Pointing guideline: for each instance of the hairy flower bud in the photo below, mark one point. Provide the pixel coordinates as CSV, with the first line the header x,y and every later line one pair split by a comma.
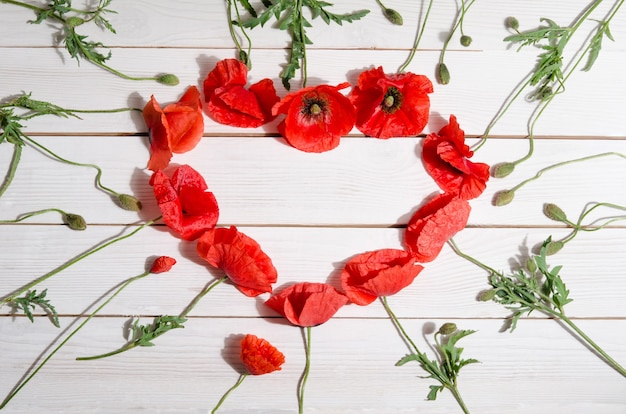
x,y
554,212
74,21
393,16
486,295
168,79
511,23
74,221
466,40
554,247
129,202
443,74
503,169
504,197
447,328
531,266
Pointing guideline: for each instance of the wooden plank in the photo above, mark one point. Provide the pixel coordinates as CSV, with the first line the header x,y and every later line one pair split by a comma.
x,y
262,181
352,369
447,287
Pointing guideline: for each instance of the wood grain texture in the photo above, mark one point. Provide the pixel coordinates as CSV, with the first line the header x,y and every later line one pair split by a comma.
x,y
310,213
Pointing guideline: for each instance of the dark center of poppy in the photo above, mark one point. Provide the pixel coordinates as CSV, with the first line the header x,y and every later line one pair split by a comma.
x,y
313,106
392,100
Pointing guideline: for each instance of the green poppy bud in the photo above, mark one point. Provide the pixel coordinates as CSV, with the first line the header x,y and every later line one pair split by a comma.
x,y
443,74
504,197
554,212
129,202
531,265
74,221
503,169
74,21
511,23
554,247
447,328
466,40
168,79
243,57
393,16
486,295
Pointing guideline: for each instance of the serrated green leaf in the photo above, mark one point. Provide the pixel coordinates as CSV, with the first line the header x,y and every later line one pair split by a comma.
x,y
434,389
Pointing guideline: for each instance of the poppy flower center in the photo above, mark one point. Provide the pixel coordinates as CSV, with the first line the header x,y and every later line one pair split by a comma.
x,y
313,106
392,100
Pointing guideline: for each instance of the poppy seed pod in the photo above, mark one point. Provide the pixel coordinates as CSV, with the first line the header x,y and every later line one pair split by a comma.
x,y
486,295
168,79
443,74
74,221
502,198
466,40
554,247
393,16
447,328
554,212
129,202
511,23
504,169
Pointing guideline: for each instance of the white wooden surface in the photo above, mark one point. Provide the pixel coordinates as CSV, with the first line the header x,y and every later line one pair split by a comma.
x,y
309,212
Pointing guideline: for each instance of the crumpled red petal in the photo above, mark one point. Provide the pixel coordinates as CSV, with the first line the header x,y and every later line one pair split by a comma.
x,y
175,129
187,208
385,272
259,356
434,224
315,132
445,157
307,304
162,264
240,257
229,103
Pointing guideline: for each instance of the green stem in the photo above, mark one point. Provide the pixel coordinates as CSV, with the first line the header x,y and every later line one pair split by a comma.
x,y
417,40
233,35
477,262
305,373
457,396
560,164
303,42
31,7
78,164
15,160
608,359
64,266
458,23
396,322
78,328
227,393
135,343
26,216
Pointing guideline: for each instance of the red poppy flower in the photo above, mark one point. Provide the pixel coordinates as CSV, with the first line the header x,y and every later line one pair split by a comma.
x,y
259,356
240,257
187,208
230,103
307,304
433,225
317,117
384,272
177,128
162,264
394,105
446,156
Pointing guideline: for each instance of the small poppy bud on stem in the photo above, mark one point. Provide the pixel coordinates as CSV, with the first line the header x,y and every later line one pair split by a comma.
x,y
511,23
129,202
443,74
486,295
168,79
554,212
466,40
503,169
74,21
74,221
502,198
393,16
531,265
447,328
554,247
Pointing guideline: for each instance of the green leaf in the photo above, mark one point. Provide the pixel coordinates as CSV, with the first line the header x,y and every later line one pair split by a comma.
x,y
434,389
31,299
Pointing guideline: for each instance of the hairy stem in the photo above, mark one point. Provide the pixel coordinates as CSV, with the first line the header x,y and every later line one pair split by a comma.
x,y
15,160
227,393
305,373
418,38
